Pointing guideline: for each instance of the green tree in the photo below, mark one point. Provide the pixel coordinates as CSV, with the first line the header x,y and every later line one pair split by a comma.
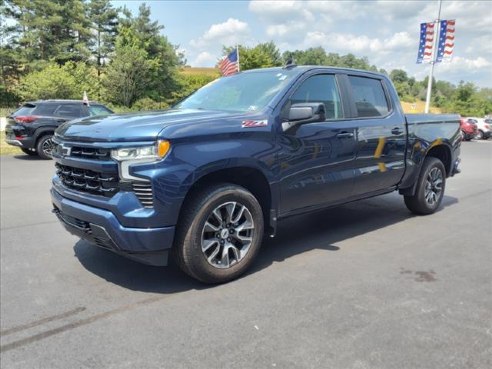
x,y
104,22
141,33
311,56
263,55
399,75
55,30
59,82
128,75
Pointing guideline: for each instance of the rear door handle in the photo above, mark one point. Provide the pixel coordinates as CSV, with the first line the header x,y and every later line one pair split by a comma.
x,y
61,120
345,135
396,131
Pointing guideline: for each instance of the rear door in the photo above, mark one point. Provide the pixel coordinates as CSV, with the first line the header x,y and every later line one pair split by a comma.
x,y
317,159
381,136
69,111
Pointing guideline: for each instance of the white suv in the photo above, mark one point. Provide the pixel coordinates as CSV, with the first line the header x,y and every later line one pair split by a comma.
x,y
484,127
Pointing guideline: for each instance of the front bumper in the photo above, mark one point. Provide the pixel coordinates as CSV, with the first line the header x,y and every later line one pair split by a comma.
x,y
102,228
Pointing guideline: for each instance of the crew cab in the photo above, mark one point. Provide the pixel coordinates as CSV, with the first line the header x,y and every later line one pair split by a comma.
x,y
206,180
31,127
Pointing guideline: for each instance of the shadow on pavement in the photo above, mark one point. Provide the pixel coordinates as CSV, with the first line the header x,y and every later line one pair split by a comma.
x,y
296,235
28,157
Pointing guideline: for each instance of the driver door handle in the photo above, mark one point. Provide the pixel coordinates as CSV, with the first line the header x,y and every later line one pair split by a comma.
x,y
345,135
396,131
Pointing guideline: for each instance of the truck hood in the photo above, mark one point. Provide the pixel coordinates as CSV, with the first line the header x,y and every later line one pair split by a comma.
x,y
142,126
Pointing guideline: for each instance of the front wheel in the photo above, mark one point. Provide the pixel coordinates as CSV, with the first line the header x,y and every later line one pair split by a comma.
x,y
219,234
430,188
44,147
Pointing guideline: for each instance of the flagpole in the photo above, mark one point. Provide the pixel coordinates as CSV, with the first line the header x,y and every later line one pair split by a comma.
x,y
237,51
433,61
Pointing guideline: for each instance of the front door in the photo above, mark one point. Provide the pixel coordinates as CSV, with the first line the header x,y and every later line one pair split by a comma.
x,y
317,159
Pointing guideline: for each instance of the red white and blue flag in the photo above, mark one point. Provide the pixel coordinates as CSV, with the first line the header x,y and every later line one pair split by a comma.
x,y
426,43
446,41
229,64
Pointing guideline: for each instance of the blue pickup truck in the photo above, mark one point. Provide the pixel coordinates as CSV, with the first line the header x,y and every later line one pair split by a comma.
x,y
205,181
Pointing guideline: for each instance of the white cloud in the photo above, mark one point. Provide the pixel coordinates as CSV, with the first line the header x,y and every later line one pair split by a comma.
x,y
350,43
279,11
204,59
229,32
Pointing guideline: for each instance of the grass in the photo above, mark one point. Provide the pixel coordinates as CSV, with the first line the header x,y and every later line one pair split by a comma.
x,y
5,148
214,72
417,107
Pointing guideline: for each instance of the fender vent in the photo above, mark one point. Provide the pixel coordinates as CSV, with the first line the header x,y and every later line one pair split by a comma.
x,y
143,190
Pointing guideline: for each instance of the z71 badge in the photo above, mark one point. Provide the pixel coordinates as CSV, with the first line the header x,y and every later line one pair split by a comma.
x,y
254,123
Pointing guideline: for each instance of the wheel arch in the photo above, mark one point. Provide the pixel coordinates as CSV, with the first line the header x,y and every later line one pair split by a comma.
x,y
441,151
249,177
43,131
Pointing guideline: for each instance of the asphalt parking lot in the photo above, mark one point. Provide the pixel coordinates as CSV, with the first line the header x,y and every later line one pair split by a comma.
x,y
366,285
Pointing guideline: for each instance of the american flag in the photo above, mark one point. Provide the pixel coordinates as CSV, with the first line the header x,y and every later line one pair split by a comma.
x,y
229,64
426,43
446,41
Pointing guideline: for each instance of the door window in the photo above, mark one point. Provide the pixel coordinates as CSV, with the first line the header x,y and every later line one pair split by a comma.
x,y
45,109
369,96
69,110
320,88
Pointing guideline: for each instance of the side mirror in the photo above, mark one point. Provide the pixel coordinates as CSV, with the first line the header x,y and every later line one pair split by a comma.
x,y
303,113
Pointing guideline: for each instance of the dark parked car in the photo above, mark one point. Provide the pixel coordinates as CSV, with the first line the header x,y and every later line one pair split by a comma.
x,y
468,128
31,127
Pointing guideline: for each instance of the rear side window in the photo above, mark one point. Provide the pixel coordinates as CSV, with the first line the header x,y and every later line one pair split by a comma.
x,y
99,110
25,109
320,88
369,96
69,110
45,109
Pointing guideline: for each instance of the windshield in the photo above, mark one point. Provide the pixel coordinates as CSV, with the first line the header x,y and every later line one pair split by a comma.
x,y
243,92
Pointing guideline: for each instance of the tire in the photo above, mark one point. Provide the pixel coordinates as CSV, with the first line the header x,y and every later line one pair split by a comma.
x,y
201,239
430,188
44,147
479,135
30,152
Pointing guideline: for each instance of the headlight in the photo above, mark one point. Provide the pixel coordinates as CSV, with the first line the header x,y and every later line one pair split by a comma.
x,y
143,153
130,156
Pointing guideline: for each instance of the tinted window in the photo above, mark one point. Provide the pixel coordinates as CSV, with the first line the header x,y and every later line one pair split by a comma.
x,y
320,88
69,110
369,97
26,109
99,110
45,109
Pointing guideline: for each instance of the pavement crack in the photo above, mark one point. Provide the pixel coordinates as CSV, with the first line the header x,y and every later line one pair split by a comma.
x,y
82,322
19,328
28,225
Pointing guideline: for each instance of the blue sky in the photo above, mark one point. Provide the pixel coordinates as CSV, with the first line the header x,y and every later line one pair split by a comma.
x,y
386,32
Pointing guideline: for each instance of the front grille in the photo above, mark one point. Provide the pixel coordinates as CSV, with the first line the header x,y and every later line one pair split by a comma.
x,y
143,190
90,153
105,184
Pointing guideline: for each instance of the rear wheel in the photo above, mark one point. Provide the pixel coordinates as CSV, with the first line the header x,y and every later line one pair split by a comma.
x,y
220,233
479,135
430,188
30,152
44,147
